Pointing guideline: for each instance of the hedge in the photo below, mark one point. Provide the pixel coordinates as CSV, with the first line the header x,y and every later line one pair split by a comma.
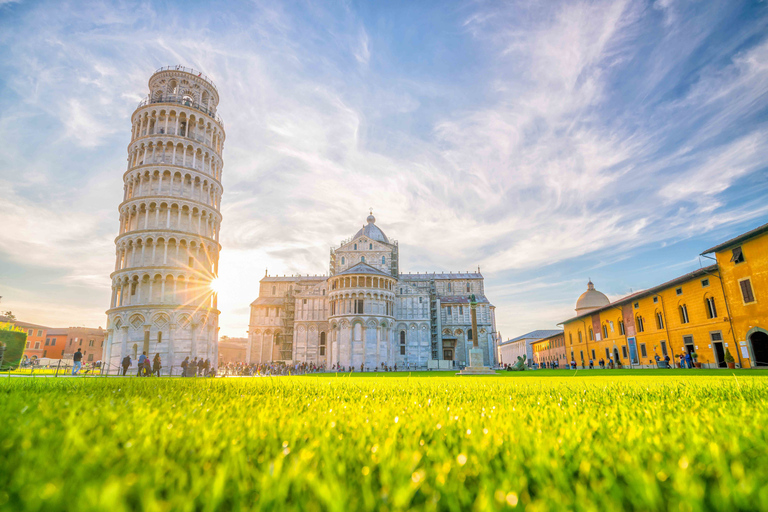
x,y
14,343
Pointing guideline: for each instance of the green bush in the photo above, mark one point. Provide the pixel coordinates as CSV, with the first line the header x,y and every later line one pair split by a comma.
x,y
14,342
728,356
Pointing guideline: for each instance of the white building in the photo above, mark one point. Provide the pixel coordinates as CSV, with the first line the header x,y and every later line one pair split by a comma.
x,y
365,312
510,350
168,244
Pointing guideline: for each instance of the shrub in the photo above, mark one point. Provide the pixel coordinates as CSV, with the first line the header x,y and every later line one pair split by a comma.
x,y
728,356
14,342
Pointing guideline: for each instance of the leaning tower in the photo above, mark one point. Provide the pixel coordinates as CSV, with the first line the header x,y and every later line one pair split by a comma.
x,y
168,244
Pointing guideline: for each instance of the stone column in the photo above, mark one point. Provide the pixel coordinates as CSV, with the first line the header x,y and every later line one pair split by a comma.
x,y
193,327
171,329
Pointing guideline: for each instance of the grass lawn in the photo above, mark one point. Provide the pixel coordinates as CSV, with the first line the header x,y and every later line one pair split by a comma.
x,y
645,440
569,373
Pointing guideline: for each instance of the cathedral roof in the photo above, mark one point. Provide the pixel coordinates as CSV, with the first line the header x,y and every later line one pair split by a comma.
x,y
441,275
364,268
268,301
372,231
463,299
591,299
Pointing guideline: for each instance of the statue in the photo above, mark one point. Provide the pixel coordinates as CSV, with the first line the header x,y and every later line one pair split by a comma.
x,y
519,366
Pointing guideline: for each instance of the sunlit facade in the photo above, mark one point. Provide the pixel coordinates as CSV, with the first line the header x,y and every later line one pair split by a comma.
x,y
168,244
366,313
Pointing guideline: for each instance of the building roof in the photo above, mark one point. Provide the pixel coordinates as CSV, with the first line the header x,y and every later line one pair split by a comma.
x,y
739,239
591,299
292,279
463,299
650,291
372,231
18,323
559,333
441,276
363,268
534,335
268,301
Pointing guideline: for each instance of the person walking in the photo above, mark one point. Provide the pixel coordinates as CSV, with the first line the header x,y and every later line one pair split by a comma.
x,y
156,365
78,362
185,367
207,367
688,360
142,358
200,367
126,363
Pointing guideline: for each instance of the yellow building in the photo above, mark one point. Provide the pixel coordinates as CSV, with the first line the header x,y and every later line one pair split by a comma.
x,y
684,315
714,310
550,350
743,266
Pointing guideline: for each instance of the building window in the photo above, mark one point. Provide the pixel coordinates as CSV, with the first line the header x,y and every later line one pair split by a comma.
x,y
362,258
461,310
449,286
643,352
27,344
639,322
45,353
580,339
659,320
664,348
679,291
704,283
133,288
90,357
322,343
449,310
383,260
688,340
605,331
637,305
355,246
370,246
656,300
159,337
709,304
591,334
359,306
716,336
29,332
90,343
402,343
570,337
420,300
621,328
746,291
469,334
342,260
593,354
37,344
624,351
47,341
737,256
304,301
683,314
468,288
39,332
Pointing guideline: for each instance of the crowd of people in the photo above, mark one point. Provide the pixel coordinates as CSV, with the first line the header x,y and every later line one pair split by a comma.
x,y
198,367
685,361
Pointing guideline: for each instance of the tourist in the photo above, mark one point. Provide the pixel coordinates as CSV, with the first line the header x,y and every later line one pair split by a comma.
x,y
142,358
682,361
126,364
688,360
78,362
156,365
185,367
207,366
193,368
667,360
200,367
573,364
147,367
591,364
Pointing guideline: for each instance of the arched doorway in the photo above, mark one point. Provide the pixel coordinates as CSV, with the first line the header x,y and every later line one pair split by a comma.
x,y
759,342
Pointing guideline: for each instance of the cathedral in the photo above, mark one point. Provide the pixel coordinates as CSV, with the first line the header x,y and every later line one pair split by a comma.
x,y
365,313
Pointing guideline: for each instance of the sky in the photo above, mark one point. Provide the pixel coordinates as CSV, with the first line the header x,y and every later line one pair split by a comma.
x,y
545,142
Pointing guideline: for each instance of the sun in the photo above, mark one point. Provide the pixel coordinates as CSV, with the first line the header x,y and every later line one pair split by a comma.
x,y
216,284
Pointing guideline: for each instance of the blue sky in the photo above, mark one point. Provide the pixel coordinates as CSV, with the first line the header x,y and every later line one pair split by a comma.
x,y
546,142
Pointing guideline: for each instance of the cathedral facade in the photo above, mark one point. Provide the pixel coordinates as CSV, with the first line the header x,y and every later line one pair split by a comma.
x,y
366,313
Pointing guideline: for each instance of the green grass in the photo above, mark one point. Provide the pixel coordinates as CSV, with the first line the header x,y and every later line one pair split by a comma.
x,y
607,442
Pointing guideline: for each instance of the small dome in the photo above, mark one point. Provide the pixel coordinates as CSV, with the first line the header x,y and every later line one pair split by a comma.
x,y
591,300
372,231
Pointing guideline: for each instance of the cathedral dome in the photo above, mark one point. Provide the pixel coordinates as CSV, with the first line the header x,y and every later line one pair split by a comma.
x,y
591,300
372,231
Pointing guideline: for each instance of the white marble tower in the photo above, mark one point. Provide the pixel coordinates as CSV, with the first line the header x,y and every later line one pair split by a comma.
x,y
168,244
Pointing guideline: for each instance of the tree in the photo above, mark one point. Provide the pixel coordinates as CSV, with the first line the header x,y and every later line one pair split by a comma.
x,y
10,315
